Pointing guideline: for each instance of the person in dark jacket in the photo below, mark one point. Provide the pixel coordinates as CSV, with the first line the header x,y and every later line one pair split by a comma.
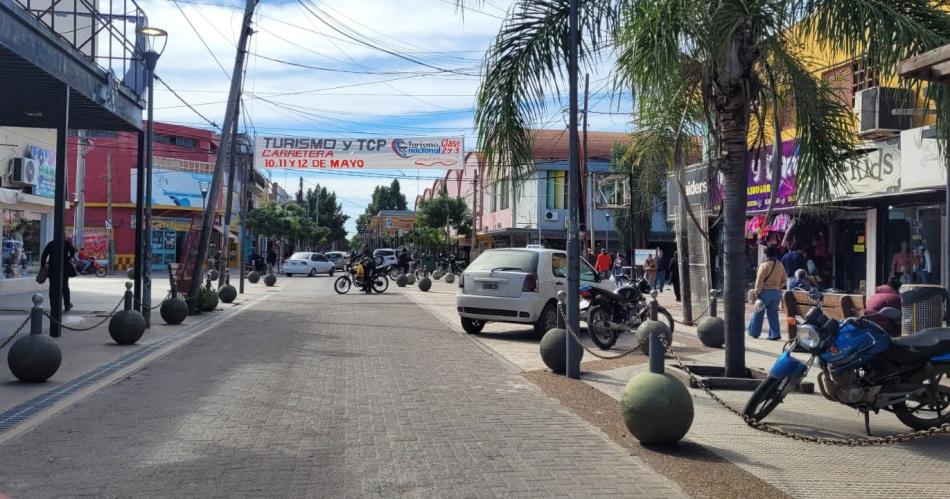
x,y
673,273
883,297
52,266
404,261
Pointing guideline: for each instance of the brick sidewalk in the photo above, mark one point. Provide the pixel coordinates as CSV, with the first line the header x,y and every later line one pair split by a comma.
x,y
309,395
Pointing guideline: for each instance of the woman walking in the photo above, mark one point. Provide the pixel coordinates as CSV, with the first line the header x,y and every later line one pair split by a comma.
x,y
649,270
769,280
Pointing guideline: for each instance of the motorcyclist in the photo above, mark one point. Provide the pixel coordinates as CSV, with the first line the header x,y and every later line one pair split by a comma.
x,y
369,266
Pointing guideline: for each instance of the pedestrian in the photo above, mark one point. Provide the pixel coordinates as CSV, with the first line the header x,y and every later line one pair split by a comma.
x,y
673,271
793,261
800,281
404,261
603,264
369,265
649,270
663,262
884,296
619,263
66,263
769,280
272,260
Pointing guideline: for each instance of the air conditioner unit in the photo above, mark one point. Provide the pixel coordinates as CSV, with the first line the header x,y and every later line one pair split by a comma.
x,y
876,108
21,172
551,216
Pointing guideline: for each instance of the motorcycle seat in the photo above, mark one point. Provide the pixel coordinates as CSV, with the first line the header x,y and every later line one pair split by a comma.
x,y
921,346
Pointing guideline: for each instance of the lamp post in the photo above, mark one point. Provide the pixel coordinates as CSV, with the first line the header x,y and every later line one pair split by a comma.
x,y
607,233
203,187
154,40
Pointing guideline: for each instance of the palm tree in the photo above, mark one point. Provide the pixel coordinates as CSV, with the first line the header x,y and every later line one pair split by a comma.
x,y
723,68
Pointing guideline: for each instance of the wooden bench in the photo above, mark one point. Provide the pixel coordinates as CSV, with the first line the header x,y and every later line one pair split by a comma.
x,y
835,306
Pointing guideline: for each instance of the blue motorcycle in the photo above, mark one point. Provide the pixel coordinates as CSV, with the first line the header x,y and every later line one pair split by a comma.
x,y
864,368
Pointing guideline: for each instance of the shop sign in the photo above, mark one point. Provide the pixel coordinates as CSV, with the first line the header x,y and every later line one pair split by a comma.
x,y
922,164
875,173
45,172
759,186
178,224
331,153
699,189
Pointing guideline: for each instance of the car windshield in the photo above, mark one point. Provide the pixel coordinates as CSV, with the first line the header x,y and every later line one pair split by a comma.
x,y
300,256
525,261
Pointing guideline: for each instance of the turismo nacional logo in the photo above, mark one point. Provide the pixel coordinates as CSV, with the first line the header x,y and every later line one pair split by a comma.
x,y
409,148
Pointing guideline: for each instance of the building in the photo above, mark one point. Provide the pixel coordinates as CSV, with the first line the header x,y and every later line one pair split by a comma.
x,y
63,70
181,176
388,228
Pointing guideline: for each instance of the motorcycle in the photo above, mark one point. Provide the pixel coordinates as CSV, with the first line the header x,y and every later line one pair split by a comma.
x,y
90,267
864,368
612,313
355,275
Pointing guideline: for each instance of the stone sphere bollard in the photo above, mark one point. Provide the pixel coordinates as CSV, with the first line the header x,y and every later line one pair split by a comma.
x,y
253,276
449,278
554,350
437,275
130,273
213,274
173,311
657,408
227,293
425,284
402,280
410,279
126,327
712,332
644,331
270,280
34,358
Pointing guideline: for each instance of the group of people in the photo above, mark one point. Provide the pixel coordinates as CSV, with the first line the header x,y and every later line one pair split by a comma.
x,y
658,269
793,271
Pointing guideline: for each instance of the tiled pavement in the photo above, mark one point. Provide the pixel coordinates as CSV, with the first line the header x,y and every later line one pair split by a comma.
x,y
312,394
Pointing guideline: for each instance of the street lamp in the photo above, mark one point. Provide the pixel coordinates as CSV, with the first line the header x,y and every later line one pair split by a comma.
x,y
153,44
203,187
607,233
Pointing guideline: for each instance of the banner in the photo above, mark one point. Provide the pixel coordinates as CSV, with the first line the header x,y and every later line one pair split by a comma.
x,y
760,178
176,188
45,172
356,154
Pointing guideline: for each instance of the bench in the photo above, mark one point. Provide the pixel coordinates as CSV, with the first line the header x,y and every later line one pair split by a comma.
x,y
835,305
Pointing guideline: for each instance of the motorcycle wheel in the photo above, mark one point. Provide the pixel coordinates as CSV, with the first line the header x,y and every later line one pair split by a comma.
x,y
933,416
600,334
766,397
342,285
100,272
380,283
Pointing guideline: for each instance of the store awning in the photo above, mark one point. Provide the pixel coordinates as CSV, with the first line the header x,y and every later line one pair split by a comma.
x,y
220,230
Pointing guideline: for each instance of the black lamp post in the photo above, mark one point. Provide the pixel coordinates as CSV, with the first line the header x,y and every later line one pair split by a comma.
x,y
155,40
203,187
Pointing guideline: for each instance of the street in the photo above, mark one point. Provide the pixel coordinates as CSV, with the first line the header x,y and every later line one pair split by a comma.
x,y
311,394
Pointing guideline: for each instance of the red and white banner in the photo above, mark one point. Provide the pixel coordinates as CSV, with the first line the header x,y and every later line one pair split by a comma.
x,y
358,153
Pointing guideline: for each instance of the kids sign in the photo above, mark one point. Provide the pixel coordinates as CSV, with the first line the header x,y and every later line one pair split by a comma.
x,y
358,153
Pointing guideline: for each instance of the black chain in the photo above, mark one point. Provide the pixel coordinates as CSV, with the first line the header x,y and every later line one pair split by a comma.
x,y
81,329
839,442
10,338
694,321
139,302
577,338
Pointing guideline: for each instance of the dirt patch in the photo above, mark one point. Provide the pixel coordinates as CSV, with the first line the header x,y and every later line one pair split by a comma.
x,y
699,472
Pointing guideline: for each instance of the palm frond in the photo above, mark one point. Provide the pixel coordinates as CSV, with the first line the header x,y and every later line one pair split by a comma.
x,y
524,64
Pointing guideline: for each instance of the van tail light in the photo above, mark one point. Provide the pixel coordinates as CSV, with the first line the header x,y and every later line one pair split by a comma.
x,y
530,283
462,280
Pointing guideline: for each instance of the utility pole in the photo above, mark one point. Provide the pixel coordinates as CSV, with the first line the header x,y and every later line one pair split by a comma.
x,y
226,229
79,210
245,207
474,216
109,229
585,167
229,121
316,208
573,263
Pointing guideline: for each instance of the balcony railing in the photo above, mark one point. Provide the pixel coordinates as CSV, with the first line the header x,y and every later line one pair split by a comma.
x,y
104,31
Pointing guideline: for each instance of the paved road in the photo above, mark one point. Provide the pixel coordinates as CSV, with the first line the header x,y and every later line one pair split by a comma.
x,y
361,396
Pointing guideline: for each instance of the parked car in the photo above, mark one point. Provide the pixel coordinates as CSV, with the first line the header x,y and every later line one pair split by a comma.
x,y
517,285
308,263
388,257
339,259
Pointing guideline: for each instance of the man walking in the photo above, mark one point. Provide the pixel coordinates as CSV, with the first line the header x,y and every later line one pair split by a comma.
x,y
47,260
603,264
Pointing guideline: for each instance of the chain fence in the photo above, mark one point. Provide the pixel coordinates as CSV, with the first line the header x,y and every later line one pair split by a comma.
x,y
20,328
139,302
88,328
758,425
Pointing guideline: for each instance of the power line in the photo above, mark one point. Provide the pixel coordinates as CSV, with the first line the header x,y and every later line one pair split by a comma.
x,y
201,39
183,101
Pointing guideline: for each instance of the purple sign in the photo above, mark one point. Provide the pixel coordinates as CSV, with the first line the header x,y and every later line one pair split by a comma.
x,y
759,188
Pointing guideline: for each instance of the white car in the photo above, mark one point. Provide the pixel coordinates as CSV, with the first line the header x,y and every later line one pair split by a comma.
x,y
517,285
308,263
339,259
390,257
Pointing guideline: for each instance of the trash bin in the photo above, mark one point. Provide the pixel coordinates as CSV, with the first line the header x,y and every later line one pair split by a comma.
x,y
428,262
922,307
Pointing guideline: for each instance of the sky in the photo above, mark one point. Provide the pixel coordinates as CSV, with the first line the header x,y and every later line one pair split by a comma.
x,y
335,86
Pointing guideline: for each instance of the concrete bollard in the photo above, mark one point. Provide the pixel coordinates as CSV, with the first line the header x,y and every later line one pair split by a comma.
x,y
127,326
402,280
34,358
253,276
270,279
174,309
425,284
227,293
449,278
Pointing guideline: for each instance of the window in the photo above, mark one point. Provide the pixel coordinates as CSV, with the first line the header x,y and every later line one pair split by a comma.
x,y
512,259
587,272
503,195
849,79
556,190
493,198
21,243
559,265
175,140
